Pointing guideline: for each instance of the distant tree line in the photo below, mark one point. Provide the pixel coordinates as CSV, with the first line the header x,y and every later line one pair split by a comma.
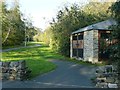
x,y
44,36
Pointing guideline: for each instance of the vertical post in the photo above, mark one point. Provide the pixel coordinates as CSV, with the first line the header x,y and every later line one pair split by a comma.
x,y
0,31
0,43
77,46
25,36
71,47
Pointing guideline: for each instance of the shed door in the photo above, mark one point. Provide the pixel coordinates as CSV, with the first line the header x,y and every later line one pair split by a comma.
x,y
78,45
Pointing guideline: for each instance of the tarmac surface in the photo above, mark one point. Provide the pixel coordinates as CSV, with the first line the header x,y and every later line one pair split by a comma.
x,y
66,75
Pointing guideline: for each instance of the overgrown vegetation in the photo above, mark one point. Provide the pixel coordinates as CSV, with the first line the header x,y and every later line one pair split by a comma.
x,y
115,55
44,36
70,19
15,30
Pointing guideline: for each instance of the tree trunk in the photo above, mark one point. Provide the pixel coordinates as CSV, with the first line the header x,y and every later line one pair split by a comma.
x,y
7,36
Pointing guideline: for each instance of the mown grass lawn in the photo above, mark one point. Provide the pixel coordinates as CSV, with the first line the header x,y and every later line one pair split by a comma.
x,y
37,58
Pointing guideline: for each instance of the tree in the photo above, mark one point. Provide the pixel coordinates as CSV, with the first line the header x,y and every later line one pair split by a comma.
x,y
100,10
39,36
116,35
44,36
13,27
72,18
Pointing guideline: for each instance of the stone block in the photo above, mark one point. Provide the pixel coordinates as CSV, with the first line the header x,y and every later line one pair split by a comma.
x,y
102,85
110,85
14,70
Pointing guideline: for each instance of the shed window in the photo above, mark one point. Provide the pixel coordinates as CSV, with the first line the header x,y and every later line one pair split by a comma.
x,y
80,37
80,53
105,35
74,52
74,37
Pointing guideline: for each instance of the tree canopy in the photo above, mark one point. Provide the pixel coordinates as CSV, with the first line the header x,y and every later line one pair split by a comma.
x,y
116,35
72,18
13,27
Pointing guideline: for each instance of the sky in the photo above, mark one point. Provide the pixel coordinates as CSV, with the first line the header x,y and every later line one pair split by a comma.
x,y
41,12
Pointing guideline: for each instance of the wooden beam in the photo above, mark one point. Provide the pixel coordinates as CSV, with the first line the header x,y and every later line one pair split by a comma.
x,y
71,46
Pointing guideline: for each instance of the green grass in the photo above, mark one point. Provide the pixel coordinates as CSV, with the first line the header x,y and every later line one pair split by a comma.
x,y
85,62
22,45
7,47
37,58
33,43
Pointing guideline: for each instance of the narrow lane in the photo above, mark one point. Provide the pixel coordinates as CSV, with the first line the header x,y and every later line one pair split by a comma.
x,y
67,75
10,49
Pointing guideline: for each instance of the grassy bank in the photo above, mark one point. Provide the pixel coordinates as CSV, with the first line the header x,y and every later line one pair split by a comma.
x,y
37,58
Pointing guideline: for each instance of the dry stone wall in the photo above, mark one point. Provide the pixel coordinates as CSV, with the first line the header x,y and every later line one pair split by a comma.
x,y
14,70
106,77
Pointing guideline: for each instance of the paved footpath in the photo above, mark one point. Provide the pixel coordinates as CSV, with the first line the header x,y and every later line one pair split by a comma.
x,y
67,75
10,49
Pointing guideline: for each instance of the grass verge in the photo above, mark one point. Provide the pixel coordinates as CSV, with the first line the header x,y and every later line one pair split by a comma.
x,y
21,45
37,58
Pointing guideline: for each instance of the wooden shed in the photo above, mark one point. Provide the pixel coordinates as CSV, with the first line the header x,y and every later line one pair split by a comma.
x,y
86,43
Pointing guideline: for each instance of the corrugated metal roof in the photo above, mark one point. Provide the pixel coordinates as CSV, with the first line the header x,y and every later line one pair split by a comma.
x,y
104,25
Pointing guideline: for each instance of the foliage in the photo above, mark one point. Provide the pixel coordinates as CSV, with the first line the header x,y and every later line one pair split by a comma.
x,y
44,36
100,10
13,27
116,35
37,60
47,35
72,18
38,37
30,33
